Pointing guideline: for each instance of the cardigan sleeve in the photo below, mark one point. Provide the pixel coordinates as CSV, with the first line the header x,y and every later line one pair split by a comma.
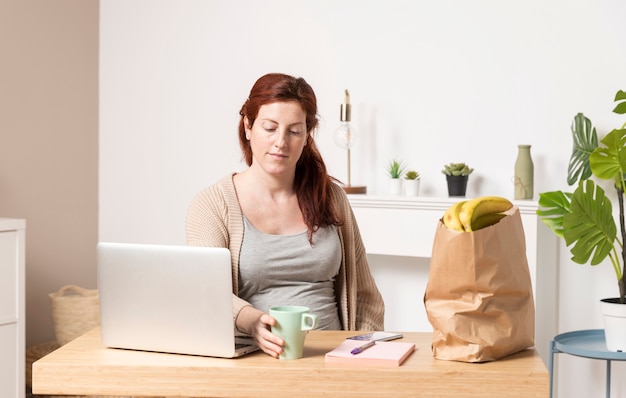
x,y
209,223
205,224
370,312
366,308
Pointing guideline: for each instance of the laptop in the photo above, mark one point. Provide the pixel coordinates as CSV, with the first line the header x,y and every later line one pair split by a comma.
x,y
174,299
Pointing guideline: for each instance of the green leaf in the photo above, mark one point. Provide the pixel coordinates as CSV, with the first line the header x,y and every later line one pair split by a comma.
x,y
395,168
552,207
609,161
621,107
589,226
585,142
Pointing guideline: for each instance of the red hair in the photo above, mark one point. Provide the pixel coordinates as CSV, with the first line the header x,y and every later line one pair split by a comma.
x,y
312,182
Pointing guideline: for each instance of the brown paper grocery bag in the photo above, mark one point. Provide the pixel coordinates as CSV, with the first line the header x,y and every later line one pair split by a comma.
x,y
479,296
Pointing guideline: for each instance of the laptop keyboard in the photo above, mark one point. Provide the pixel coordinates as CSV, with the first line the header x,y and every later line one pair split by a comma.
x,y
241,342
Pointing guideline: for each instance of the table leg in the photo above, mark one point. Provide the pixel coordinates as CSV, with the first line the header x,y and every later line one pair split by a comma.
x,y
608,378
551,365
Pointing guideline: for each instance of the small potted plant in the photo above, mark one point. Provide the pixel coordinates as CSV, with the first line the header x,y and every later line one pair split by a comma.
x,y
411,183
584,218
395,169
456,177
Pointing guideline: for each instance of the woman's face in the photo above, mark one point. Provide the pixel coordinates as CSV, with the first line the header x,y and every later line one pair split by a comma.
x,y
277,137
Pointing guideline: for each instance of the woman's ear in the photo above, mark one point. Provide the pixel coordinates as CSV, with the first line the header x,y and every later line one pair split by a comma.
x,y
247,127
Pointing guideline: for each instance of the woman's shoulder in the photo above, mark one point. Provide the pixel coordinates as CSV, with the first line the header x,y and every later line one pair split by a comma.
x,y
342,203
222,190
338,193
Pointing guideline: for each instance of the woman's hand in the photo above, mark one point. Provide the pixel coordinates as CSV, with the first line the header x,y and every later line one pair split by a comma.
x,y
258,324
264,338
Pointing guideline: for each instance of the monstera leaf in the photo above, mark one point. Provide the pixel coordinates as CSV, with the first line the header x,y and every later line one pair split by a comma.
x,y
609,161
589,225
584,218
585,142
552,207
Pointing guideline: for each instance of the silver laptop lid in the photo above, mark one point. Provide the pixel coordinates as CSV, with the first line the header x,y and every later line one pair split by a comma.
x,y
164,298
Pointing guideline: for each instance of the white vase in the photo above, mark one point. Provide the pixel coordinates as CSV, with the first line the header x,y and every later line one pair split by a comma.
x,y
614,315
411,187
395,186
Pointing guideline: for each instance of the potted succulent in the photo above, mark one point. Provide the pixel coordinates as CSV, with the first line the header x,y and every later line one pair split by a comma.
x,y
411,183
584,218
395,169
456,177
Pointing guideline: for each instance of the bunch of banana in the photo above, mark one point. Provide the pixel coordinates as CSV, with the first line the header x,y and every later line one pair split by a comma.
x,y
474,214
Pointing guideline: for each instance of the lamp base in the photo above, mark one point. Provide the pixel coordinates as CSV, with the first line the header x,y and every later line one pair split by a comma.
x,y
351,189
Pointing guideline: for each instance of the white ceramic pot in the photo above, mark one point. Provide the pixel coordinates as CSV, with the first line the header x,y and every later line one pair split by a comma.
x,y
614,315
395,186
411,187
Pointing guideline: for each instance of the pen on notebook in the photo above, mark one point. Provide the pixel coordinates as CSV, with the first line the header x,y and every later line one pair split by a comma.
x,y
362,348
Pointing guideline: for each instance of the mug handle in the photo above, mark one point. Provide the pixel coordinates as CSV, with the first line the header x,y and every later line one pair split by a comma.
x,y
309,321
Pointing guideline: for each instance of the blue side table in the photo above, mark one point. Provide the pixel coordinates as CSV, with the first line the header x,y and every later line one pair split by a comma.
x,y
587,344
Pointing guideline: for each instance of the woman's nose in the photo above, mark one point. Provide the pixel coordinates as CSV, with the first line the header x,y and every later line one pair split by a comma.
x,y
281,138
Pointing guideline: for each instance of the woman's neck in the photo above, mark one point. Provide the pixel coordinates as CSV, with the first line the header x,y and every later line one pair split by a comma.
x,y
274,187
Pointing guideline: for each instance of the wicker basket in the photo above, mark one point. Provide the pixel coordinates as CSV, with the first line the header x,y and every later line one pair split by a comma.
x,y
75,311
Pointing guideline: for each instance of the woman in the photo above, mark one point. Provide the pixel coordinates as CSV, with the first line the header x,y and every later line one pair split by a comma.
x,y
290,229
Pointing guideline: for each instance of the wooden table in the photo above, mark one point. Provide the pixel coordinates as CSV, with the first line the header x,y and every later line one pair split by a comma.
x,y
85,367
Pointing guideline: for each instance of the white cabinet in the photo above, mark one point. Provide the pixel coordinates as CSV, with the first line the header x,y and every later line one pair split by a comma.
x,y
12,335
400,226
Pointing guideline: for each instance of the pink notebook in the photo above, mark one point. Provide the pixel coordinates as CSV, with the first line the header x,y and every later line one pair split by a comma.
x,y
383,353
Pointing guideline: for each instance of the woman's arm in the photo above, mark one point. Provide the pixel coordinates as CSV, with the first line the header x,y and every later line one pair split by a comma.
x,y
365,306
207,224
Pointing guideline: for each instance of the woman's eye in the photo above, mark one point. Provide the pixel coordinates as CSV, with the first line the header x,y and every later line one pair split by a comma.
x,y
295,133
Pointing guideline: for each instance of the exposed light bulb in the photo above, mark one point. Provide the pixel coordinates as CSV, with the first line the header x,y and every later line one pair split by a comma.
x,y
344,135
344,138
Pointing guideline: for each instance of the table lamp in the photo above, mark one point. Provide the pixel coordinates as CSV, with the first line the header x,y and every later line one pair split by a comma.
x,y
344,138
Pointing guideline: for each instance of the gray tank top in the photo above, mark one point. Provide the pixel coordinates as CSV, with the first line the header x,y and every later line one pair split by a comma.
x,y
287,270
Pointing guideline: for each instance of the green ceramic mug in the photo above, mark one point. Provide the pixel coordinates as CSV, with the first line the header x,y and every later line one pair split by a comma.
x,y
292,324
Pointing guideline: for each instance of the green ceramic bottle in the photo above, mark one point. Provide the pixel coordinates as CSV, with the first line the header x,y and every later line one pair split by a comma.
x,y
524,173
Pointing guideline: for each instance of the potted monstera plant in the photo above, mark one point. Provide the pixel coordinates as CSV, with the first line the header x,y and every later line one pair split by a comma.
x,y
585,217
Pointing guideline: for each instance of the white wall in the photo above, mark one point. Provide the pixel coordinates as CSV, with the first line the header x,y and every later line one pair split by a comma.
x,y
431,83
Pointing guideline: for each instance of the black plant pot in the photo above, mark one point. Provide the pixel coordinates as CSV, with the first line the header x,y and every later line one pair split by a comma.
x,y
457,185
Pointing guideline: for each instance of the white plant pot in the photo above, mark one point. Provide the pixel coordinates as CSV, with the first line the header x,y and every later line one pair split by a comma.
x,y
411,187
614,315
395,186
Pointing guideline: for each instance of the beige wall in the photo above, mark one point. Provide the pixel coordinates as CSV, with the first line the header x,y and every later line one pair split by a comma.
x,y
49,144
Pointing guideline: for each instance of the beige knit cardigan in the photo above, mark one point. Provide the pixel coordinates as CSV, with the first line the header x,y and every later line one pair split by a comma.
x,y
214,218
